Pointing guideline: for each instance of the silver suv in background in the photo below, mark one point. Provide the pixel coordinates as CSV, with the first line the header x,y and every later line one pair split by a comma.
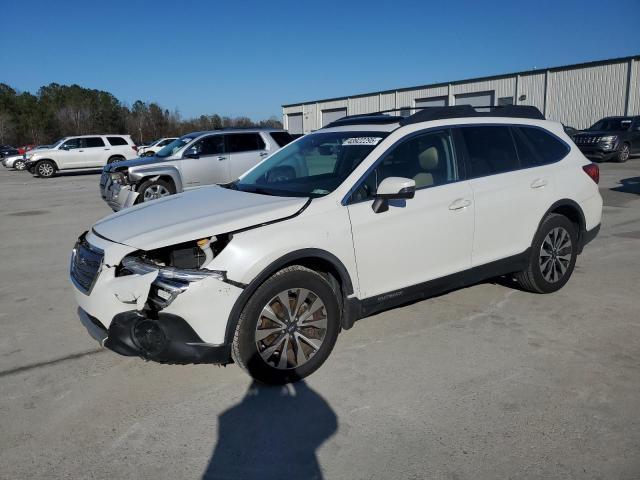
x,y
81,152
193,160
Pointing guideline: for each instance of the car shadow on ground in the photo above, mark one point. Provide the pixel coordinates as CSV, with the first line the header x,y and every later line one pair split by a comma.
x,y
274,432
628,185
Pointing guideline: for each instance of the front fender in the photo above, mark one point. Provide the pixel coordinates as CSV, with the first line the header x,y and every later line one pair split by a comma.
x,y
138,174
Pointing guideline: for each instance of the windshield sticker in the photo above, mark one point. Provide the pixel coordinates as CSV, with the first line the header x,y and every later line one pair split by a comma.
x,y
361,141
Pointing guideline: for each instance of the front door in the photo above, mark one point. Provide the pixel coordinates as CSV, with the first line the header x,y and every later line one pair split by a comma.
x,y
419,239
205,163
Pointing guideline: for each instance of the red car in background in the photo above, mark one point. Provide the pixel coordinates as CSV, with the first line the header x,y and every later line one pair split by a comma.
x,y
25,148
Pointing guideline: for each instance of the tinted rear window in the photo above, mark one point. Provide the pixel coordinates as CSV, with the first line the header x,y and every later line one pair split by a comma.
x,y
281,138
244,142
490,150
92,142
115,141
537,147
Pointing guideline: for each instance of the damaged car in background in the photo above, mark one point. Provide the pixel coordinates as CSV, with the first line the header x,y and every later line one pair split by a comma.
x,y
193,160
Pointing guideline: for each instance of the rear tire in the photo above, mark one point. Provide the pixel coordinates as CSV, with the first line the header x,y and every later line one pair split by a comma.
x,y
278,344
20,165
624,153
45,169
553,256
154,189
115,158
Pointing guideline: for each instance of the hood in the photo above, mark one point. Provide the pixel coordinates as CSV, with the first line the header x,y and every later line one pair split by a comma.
x,y
43,151
140,161
193,215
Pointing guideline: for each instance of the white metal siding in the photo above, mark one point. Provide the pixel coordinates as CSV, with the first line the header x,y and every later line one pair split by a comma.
x,y
407,98
387,101
634,89
532,86
578,97
294,123
329,116
368,104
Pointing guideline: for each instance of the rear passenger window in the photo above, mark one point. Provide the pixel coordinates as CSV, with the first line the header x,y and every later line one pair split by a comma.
x,y
281,138
537,147
490,150
244,142
115,141
92,142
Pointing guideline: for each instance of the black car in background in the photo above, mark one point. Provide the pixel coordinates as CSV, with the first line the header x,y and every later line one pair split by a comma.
x,y
612,138
8,151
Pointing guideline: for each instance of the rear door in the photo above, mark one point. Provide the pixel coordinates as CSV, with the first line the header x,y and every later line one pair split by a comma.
x,y
94,152
205,162
245,150
509,200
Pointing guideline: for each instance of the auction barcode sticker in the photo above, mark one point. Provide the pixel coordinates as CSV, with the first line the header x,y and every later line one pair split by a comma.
x,y
361,141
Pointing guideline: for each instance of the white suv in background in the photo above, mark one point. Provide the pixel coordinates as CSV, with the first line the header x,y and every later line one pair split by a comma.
x,y
365,214
84,151
155,146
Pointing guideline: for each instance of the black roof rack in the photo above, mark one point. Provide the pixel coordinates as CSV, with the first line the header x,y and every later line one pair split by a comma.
x,y
425,114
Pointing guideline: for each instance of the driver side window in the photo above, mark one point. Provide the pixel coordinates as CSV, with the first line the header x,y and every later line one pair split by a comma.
x,y
426,158
71,144
213,145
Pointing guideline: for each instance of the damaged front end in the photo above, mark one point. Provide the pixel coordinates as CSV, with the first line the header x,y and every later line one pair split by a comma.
x,y
162,305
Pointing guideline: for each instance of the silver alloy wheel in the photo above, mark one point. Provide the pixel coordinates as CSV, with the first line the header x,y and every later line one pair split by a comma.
x,y
555,254
155,191
19,165
45,170
624,153
291,328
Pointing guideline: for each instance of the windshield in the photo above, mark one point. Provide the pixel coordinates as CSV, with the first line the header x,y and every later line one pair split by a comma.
x,y
611,124
173,147
313,166
57,144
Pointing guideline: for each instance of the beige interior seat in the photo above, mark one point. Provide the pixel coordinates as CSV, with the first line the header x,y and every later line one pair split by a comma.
x,y
428,161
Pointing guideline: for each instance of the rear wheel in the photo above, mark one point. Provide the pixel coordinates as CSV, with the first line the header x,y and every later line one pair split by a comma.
x,y
624,153
19,165
553,256
154,189
45,169
288,327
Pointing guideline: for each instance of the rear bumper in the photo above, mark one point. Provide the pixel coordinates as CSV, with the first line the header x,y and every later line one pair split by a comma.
x,y
587,236
166,338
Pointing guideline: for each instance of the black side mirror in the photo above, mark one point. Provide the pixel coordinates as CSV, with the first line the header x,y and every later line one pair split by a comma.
x,y
393,188
192,153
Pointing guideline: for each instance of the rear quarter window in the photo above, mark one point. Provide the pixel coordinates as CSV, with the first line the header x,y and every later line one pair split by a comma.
x,y
116,141
281,138
538,147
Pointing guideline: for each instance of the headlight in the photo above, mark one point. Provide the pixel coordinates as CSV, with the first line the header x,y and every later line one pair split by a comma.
x,y
120,177
608,139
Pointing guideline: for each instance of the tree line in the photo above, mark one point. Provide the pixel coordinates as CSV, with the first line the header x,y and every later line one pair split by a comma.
x,y
57,111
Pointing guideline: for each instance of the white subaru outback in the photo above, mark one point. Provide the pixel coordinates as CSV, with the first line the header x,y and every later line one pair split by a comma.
x,y
365,214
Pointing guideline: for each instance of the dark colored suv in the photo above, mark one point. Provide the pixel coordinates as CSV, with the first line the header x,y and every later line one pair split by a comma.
x,y
612,138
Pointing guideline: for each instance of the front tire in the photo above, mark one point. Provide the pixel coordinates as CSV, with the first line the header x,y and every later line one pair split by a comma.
x,y
154,189
288,327
45,169
20,165
624,153
553,256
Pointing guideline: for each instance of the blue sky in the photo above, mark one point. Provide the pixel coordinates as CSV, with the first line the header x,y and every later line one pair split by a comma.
x,y
248,58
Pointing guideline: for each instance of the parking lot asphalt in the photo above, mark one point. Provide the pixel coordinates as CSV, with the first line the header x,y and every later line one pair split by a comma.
x,y
484,382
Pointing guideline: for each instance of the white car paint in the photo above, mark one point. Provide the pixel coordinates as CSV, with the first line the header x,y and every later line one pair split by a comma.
x,y
442,230
154,146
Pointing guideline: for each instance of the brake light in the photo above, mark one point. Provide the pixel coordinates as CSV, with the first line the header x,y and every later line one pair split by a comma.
x,y
593,171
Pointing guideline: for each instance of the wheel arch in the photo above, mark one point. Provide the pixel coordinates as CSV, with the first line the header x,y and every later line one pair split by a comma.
x,y
572,210
48,160
315,259
168,173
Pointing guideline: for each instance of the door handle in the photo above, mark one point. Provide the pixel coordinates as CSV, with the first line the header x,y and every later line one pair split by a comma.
x,y
264,154
222,158
80,151
538,183
459,204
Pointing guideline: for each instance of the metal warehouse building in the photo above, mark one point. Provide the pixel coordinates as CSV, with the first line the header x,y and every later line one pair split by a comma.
x,y
576,95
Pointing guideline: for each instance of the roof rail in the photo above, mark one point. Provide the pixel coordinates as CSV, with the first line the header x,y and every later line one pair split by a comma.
x,y
425,114
440,113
